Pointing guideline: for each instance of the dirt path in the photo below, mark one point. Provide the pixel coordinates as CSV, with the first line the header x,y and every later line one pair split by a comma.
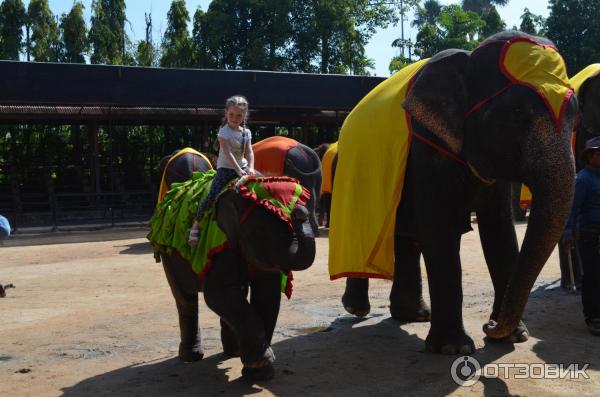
x,y
92,314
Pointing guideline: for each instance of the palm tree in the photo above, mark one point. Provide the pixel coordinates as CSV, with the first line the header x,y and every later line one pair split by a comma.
x,y
428,14
482,7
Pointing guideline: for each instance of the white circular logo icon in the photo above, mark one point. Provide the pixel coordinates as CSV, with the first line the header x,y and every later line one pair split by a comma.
x,y
465,371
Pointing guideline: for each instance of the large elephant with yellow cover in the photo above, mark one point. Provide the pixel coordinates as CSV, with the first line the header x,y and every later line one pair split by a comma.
x,y
439,139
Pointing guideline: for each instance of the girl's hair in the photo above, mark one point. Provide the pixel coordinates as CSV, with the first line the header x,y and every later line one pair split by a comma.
x,y
237,101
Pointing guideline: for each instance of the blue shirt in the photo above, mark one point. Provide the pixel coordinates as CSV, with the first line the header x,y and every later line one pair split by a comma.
x,y
586,203
4,227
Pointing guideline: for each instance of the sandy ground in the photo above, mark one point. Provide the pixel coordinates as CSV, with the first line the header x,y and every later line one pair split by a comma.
x,y
92,315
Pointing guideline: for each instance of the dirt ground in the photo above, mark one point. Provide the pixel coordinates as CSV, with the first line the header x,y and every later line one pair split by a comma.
x,y
92,315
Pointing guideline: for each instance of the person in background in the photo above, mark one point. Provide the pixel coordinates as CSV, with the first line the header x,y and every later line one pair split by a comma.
x,y
4,232
235,156
4,228
585,217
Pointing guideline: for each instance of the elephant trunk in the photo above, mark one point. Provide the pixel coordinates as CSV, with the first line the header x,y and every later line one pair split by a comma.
x,y
552,192
301,252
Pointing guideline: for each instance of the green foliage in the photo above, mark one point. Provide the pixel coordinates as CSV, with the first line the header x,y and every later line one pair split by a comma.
x,y
455,28
532,23
144,55
330,36
44,44
493,23
482,7
428,14
74,35
574,26
398,63
12,20
107,36
177,44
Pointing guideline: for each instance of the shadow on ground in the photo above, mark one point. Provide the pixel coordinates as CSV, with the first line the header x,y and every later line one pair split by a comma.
x,y
136,248
107,234
357,360
555,316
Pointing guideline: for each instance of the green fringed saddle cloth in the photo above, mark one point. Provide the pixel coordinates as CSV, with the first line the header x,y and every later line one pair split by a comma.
x,y
175,214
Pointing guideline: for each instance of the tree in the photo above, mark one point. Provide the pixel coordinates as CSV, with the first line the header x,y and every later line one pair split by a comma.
x,y
74,35
532,23
455,28
176,43
482,7
245,34
574,26
330,36
428,14
493,23
44,43
145,54
107,36
12,20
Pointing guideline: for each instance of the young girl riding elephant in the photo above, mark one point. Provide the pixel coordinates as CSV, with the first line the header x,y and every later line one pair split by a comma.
x,y
235,156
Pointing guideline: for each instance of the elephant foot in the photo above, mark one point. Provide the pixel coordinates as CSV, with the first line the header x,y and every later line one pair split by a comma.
x,y
519,335
419,313
261,370
356,296
190,354
459,343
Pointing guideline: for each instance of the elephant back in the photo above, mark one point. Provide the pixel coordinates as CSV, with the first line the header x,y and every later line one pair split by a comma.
x,y
270,154
180,168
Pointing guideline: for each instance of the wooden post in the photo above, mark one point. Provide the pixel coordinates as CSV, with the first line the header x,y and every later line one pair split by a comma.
x,y
94,154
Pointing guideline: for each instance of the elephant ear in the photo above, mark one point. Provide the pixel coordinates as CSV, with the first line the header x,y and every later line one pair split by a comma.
x,y
438,98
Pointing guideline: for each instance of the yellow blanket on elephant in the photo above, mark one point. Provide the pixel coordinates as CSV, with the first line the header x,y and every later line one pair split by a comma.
x,y
326,167
587,72
373,150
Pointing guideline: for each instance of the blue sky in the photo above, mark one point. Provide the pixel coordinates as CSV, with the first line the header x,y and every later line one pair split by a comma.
x,y
379,47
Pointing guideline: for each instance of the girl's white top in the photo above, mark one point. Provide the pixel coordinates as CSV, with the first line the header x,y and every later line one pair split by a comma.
x,y
236,141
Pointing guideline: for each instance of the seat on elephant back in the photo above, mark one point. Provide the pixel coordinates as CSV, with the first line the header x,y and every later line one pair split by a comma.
x,y
175,214
270,154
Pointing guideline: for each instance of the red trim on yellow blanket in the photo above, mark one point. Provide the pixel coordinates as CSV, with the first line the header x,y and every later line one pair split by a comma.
x,y
557,120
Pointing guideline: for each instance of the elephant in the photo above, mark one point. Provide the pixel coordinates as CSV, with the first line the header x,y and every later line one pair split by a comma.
x,y
249,262
182,164
321,150
279,155
328,165
477,121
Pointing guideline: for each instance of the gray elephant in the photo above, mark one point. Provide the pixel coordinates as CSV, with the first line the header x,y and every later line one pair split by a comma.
x,y
239,260
279,155
476,121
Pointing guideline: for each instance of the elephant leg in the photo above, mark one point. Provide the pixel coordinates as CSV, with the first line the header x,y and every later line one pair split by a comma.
x,y
184,286
224,295
501,250
356,296
265,298
442,261
229,339
406,297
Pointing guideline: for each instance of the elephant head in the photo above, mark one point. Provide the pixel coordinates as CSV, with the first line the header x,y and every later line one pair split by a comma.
x,y
587,82
506,124
268,239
